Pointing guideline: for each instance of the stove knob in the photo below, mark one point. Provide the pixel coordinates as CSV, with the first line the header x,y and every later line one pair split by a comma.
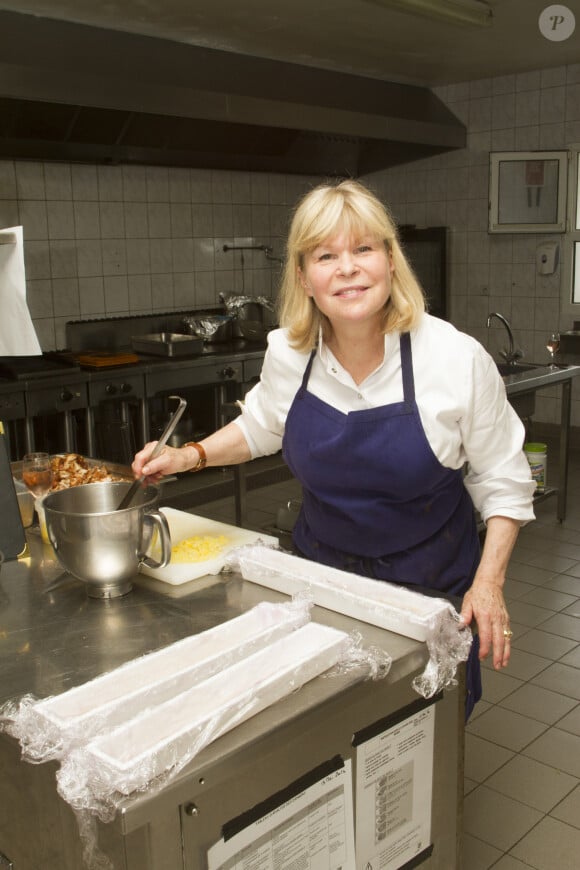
x,y
126,388
67,396
110,389
229,372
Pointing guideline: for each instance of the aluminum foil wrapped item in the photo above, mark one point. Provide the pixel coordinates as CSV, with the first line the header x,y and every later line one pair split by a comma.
x,y
210,326
386,605
234,302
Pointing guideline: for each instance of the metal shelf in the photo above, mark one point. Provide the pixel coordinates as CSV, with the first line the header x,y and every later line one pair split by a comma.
x,y
548,493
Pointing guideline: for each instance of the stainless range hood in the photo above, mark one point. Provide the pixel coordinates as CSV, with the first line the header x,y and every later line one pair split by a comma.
x,y
77,93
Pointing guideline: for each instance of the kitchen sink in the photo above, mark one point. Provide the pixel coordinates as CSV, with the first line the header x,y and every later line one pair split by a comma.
x,y
505,368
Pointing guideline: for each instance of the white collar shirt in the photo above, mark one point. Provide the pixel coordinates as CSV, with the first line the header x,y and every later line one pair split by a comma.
x,y
460,396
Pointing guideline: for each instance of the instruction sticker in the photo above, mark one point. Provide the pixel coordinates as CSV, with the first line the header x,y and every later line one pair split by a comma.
x,y
312,830
394,785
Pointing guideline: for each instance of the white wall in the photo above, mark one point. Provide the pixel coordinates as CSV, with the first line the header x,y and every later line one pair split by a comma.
x,y
536,110
108,241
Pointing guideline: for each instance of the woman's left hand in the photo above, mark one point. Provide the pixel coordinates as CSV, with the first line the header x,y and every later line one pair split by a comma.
x,y
485,603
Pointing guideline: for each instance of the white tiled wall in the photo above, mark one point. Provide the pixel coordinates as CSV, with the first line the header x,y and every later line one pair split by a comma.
x,y
536,110
106,241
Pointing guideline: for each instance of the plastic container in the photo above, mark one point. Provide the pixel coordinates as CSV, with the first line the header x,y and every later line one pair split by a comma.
x,y
25,502
537,455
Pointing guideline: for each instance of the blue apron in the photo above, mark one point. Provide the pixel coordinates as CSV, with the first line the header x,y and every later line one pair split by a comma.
x,y
376,500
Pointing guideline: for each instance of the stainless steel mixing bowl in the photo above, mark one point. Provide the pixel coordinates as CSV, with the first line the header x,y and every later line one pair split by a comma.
x,y
103,546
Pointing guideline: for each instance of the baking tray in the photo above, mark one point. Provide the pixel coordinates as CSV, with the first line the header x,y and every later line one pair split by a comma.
x,y
170,344
100,359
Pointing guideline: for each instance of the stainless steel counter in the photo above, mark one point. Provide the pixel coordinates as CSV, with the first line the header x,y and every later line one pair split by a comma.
x,y
537,377
53,637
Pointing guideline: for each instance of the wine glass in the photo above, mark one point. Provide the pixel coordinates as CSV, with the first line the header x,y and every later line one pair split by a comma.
x,y
37,473
553,346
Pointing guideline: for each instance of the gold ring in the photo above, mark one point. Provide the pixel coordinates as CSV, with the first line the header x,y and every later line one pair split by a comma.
x,y
507,632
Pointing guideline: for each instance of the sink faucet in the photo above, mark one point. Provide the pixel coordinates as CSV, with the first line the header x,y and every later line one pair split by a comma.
x,y
512,354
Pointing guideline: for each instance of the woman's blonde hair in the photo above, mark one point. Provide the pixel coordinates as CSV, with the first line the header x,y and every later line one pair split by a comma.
x,y
348,207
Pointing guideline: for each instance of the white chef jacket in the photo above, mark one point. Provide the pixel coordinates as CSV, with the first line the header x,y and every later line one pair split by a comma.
x,y
460,395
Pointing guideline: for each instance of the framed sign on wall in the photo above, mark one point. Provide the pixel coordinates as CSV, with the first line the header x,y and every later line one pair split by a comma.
x,y
527,191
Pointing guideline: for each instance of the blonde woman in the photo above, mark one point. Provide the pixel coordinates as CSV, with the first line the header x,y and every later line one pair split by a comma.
x,y
378,408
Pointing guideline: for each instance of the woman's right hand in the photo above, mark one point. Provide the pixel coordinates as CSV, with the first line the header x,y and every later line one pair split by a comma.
x,y
171,460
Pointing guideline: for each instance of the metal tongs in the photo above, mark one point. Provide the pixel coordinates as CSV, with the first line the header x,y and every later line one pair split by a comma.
x,y
168,431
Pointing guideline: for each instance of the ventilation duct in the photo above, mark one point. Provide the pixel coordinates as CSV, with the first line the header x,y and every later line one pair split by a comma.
x,y
77,93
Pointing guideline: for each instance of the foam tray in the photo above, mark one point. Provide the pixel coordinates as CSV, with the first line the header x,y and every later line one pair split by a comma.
x,y
130,756
123,693
385,605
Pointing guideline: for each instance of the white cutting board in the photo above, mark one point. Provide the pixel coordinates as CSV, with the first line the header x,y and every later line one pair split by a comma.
x,y
184,525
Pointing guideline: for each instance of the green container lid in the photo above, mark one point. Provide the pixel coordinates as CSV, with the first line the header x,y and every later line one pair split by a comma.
x,y
535,447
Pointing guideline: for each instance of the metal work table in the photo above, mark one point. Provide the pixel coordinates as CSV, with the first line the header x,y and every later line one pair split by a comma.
x,y
54,637
529,382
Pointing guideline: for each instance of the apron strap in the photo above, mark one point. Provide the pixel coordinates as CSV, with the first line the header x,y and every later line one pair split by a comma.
x,y
407,367
306,374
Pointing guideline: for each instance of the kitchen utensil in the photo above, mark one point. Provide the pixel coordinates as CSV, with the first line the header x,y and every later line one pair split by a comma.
x,y
286,516
129,495
100,544
169,344
25,506
253,330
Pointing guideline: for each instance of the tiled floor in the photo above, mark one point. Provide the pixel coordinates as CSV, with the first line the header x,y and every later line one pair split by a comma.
x,y
522,764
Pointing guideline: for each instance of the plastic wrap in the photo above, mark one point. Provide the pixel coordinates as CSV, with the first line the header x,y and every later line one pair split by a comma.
x,y
51,727
134,729
386,605
132,757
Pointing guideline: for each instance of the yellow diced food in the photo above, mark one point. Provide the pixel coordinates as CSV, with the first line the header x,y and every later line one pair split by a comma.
x,y
198,548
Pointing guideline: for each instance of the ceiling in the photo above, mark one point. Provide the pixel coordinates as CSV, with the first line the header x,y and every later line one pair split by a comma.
x,y
340,87
354,36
